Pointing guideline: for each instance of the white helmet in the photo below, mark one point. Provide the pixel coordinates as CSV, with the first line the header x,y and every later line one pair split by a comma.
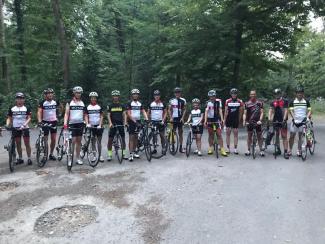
x,y
77,89
196,100
212,93
93,94
116,93
135,91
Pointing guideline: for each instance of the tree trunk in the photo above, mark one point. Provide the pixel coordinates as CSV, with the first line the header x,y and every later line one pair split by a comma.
x,y
3,57
61,32
20,40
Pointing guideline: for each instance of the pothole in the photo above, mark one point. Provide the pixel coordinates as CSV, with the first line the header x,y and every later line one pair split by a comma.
x,y
65,221
8,186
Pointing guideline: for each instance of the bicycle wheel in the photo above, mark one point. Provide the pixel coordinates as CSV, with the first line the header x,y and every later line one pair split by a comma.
x,y
70,153
157,147
276,145
93,153
41,152
173,142
84,145
147,148
312,144
216,145
59,147
118,147
253,146
304,147
188,144
12,155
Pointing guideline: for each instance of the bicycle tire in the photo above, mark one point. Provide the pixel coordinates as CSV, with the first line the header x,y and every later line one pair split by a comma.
x,y
253,146
304,147
118,147
173,142
96,154
41,159
59,147
153,142
147,148
188,144
215,144
70,153
12,155
312,148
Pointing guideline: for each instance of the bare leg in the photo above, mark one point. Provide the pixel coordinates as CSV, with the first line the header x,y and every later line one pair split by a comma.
x,y
53,141
260,140
228,133
249,140
198,141
220,140
235,138
292,140
28,148
19,150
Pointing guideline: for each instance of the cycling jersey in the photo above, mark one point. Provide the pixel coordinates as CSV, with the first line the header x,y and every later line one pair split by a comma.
x,y
233,106
135,107
213,109
300,109
94,113
50,109
196,116
156,111
254,110
177,106
19,115
77,110
115,111
279,105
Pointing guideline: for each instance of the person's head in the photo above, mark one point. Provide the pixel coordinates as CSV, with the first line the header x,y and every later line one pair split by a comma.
x,y
135,93
48,94
93,97
277,93
252,95
212,95
156,95
234,93
300,91
178,92
77,92
20,98
116,96
196,103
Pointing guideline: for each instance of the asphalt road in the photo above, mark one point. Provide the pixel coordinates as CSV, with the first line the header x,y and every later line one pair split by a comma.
x,y
234,200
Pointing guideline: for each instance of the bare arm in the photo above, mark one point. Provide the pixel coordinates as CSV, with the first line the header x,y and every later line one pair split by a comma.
x,y
144,114
29,118
262,114
110,124
189,118
244,117
125,118
8,121
101,120
271,114
165,115
226,112
66,115
39,115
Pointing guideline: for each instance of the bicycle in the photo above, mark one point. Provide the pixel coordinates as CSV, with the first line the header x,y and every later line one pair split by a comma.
x,y
276,139
93,153
154,137
42,146
215,126
254,138
118,143
143,140
307,140
11,148
190,138
172,139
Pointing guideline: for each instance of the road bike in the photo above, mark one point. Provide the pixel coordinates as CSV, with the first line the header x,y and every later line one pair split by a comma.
x,y
143,140
276,138
157,143
253,124
90,147
190,138
42,145
118,143
307,140
11,148
172,139
215,126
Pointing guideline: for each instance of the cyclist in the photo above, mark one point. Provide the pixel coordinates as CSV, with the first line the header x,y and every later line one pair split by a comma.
x,y
116,117
177,111
19,117
300,111
75,112
253,116
47,114
94,120
196,118
278,113
233,112
214,115
157,113
134,110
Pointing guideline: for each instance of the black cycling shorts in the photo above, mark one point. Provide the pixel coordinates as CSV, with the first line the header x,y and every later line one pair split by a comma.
x,y
212,121
197,129
47,130
77,129
250,128
112,131
18,133
134,128
160,126
232,123
177,124
97,132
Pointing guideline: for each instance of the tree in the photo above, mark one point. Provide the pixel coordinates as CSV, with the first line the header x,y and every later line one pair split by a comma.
x,y
3,55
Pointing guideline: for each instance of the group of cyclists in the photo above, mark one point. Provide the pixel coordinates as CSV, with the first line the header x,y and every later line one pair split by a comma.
x,y
213,114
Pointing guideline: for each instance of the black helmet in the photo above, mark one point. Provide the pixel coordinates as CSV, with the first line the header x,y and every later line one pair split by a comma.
x,y
277,91
156,93
300,89
177,89
233,91
20,95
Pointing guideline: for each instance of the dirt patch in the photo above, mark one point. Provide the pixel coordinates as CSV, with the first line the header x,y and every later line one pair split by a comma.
x,y
8,186
152,220
83,171
42,172
65,220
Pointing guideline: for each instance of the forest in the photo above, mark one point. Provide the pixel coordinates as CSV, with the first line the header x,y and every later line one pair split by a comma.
x,y
198,45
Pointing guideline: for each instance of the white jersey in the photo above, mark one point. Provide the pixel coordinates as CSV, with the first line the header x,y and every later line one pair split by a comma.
x,y
196,116
177,106
77,109
135,107
156,111
94,113
19,115
300,109
49,110
213,108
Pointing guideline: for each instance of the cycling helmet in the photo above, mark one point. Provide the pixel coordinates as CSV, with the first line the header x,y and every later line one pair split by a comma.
x,y
135,91
196,100
277,91
177,89
233,91
48,90
300,89
156,93
116,93
77,89
93,94
20,95
212,93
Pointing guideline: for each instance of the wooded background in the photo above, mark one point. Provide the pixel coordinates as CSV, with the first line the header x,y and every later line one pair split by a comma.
x,y
103,45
